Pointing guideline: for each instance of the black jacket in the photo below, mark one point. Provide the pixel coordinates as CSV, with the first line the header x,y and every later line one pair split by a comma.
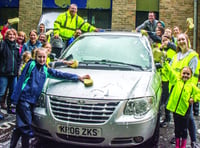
x,y
9,58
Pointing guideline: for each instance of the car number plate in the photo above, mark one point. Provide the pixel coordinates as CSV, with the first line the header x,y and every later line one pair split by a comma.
x,y
79,131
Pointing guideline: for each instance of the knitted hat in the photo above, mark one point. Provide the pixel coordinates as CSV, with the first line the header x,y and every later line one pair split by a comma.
x,y
162,23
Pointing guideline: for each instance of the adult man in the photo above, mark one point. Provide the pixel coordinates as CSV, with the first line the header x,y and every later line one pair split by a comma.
x,y
68,22
150,24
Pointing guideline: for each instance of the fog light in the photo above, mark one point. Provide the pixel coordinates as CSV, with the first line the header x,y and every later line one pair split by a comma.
x,y
138,139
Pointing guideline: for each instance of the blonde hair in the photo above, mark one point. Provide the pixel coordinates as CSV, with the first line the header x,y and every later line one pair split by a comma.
x,y
11,30
187,40
26,56
40,49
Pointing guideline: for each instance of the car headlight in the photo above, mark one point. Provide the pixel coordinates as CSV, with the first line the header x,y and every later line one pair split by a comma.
x,y
139,107
41,101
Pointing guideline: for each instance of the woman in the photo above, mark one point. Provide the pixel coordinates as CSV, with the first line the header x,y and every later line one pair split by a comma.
x,y
186,57
32,43
9,66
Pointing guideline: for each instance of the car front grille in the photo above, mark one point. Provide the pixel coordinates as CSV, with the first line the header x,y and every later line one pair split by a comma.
x,y
82,110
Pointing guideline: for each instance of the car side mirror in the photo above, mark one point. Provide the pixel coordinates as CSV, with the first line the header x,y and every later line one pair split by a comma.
x,y
52,57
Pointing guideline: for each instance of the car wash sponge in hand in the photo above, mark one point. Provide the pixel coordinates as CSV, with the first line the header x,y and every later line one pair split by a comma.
x,y
88,82
75,64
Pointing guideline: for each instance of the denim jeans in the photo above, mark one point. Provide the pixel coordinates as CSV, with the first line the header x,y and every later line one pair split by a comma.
x,y
164,99
192,126
10,82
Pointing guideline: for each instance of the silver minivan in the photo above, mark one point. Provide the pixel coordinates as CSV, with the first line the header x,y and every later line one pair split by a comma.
x,y
120,109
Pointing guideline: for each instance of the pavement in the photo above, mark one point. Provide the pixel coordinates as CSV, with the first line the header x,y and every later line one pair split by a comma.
x,y
7,125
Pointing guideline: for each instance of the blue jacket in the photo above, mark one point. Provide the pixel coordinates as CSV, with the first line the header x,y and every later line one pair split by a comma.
x,y
29,47
32,79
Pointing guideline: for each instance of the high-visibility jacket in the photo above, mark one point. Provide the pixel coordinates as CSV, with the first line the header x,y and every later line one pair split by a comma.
x,y
170,54
65,25
181,93
177,65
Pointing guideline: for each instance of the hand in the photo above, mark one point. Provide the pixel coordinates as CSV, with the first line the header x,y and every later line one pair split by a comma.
x,y
84,77
97,30
56,36
164,44
191,101
68,63
144,32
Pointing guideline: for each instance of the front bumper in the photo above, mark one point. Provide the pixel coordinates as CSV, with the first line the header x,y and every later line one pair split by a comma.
x,y
115,132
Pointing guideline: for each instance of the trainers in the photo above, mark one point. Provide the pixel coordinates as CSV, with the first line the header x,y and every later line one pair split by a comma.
x,y
173,140
164,124
11,109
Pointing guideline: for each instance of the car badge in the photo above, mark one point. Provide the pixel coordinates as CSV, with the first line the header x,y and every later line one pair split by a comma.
x,y
81,102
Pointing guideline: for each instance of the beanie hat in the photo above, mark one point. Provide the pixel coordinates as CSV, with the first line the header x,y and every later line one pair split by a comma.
x,y
162,23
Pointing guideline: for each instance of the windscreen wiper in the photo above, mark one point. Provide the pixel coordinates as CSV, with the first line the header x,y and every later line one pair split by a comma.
x,y
110,62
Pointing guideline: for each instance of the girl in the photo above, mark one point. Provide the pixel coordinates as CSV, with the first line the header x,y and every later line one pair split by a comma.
x,y
21,39
25,58
183,94
27,91
48,46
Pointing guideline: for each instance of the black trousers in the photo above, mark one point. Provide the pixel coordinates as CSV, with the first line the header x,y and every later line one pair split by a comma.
x,y
181,125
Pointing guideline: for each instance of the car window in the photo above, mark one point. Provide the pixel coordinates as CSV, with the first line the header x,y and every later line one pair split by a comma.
x,y
125,49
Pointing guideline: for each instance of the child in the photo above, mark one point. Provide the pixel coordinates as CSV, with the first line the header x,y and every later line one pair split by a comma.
x,y
48,46
27,91
183,94
25,58
21,39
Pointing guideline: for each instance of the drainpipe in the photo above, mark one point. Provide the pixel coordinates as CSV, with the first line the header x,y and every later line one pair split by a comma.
x,y
195,26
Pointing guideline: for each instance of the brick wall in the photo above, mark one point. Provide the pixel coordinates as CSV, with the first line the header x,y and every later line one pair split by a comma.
x,y
172,12
29,14
123,14
175,13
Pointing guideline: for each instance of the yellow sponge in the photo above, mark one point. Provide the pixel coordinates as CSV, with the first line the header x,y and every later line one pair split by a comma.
x,y
144,32
75,64
190,23
13,21
88,82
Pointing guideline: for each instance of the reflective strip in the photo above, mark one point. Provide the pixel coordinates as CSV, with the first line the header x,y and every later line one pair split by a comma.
x,y
65,20
196,75
81,25
64,38
89,29
57,22
76,21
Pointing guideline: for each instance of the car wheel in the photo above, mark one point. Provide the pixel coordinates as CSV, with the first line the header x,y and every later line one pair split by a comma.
x,y
153,142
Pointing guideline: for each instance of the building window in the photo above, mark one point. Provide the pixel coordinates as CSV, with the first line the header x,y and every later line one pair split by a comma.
x,y
142,9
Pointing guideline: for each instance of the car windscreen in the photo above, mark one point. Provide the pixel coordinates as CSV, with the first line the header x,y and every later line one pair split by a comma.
x,y
127,50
